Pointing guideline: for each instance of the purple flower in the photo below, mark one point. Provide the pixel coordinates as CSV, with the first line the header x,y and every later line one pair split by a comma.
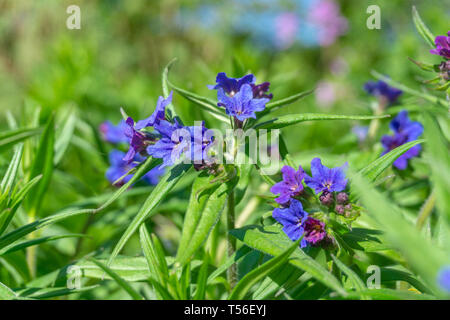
x,y
405,131
444,278
382,90
118,168
242,105
292,219
326,179
259,90
172,143
113,134
290,186
231,85
442,46
157,115
314,231
138,140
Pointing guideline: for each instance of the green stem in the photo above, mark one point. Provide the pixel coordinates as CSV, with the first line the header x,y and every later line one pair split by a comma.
x,y
231,241
426,210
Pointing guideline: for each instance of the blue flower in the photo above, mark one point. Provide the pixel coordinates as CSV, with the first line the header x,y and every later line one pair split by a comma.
x,y
383,91
231,85
241,105
118,168
292,219
157,115
326,179
174,141
290,186
405,131
113,134
444,278
138,140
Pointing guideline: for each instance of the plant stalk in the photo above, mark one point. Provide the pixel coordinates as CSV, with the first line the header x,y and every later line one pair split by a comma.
x,y
231,241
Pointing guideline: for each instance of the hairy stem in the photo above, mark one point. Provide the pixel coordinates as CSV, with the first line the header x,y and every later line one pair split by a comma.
x,y
426,210
231,241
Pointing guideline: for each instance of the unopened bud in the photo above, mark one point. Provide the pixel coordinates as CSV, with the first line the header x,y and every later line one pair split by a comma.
x,y
326,198
339,209
342,198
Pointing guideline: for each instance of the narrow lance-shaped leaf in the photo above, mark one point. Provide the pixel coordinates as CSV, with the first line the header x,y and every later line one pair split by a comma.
x,y
122,283
284,102
11,172
422,28
273,241
398,85
374,169
199,195
166,183
291,119
422,256
210,214
11,137
358,284
42,164
245,284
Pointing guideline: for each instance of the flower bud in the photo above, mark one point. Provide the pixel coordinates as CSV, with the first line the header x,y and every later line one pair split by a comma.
x,y
339,209
326,198
342,198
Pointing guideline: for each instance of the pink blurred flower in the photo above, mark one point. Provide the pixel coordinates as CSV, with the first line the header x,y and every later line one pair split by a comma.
x,y
326,15
286,25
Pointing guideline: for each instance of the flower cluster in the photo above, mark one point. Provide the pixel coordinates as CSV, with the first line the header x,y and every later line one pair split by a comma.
x,y
381,90
324,181
241,97
405,131
169,141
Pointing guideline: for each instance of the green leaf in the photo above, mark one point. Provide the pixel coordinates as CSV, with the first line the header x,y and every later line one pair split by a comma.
x,y
286,101
422,28
291,119
64,135
42,164
202,279
374,169
128,268
246,283
272,240
422,255
28,243
166,183
200,193
437,156
390,294
234,258
6,293
358,284
11,137
165,87
14,235
152,257
47,293
142,169
16,201
122,283
210,214
11,173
